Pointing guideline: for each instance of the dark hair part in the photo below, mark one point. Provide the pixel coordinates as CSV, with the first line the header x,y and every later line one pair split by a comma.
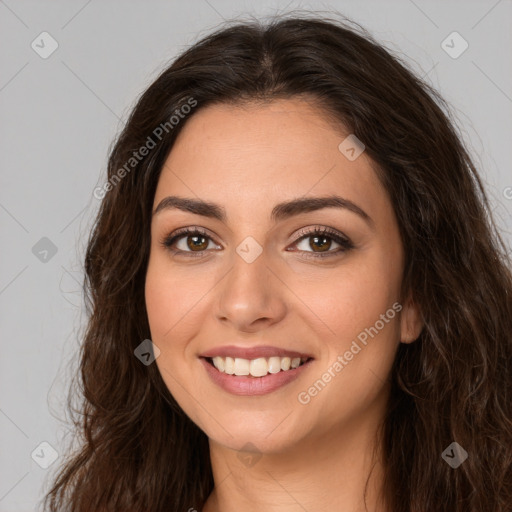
x,y
139,451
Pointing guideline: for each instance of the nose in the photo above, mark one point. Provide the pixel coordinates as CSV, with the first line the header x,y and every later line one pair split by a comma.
x,y
251,296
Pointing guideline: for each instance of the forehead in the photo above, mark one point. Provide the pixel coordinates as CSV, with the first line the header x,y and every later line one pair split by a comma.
x,y
261,154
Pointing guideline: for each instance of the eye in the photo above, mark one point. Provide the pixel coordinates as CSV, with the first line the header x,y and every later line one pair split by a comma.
x,y
193,241
320,241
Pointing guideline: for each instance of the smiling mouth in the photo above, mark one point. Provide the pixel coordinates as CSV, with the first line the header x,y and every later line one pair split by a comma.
x,y
257,368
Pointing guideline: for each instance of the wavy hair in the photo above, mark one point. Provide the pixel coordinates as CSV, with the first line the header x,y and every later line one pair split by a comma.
x,y
138,450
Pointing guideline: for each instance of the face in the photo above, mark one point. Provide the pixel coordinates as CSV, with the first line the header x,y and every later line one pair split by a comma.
x,y
259,287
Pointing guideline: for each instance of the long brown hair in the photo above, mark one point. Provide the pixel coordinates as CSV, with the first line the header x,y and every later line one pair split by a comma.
x,y
138,450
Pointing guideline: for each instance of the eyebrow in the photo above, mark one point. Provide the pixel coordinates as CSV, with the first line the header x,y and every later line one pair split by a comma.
x,y
280,212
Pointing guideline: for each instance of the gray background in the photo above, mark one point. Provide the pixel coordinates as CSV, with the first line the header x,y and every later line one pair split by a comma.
x,y
60,114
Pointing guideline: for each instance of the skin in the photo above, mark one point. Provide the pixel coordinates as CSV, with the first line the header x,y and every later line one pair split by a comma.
x,y
315,456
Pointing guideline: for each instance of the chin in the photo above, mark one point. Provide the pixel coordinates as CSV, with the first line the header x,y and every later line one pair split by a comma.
x,y
264,433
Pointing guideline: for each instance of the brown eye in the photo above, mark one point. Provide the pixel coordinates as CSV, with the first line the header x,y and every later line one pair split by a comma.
x,y
196,242
320,243
323,243
188,242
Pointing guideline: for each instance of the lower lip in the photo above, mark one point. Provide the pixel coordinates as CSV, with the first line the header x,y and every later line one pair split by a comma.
x,y
252,386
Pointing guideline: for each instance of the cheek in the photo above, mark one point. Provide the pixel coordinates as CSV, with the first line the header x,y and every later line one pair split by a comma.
x,y
366,321
161,303
176,303
171,312
351,297
358,349
172,297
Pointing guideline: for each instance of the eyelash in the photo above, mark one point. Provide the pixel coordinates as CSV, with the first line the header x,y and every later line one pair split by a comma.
x,y
345,243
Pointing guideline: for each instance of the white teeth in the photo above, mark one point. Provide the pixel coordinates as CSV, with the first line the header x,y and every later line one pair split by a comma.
x,y
241,366
219,363
256,367
229,365
274,364
285,363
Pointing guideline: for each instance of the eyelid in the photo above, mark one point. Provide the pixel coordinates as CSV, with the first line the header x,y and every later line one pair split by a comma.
x,y
324,230
179,233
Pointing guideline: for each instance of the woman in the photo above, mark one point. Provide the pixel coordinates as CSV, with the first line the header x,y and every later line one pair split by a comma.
x,y
299,298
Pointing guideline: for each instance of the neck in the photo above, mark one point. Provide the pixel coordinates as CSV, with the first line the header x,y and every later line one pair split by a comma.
x,y
327,472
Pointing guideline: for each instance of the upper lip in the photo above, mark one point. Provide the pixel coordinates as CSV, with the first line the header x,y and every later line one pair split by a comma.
x,y
252,352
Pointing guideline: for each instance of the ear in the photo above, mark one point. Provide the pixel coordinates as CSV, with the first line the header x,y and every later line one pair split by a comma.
x,y
411,322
